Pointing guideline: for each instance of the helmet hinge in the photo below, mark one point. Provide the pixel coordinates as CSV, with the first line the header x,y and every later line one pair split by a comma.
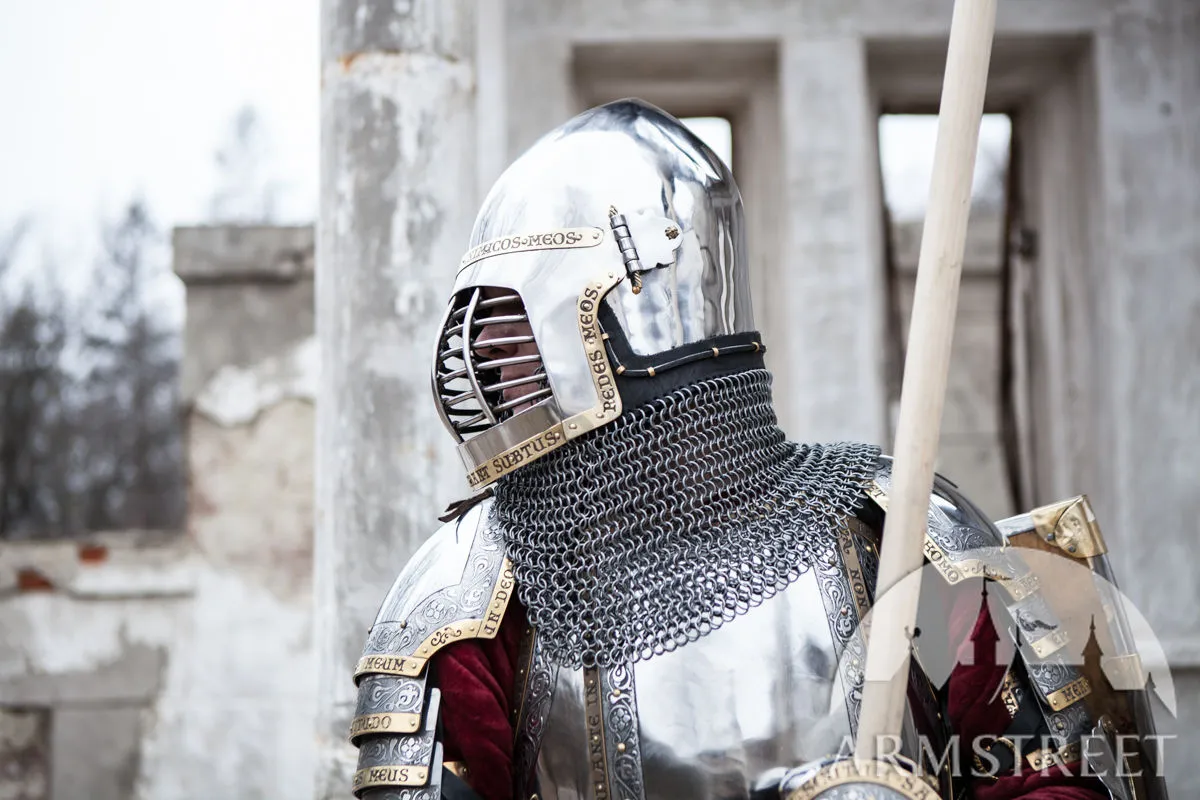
x,y
629,253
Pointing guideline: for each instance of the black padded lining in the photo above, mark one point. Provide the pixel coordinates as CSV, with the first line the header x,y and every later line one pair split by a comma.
x,y
679,366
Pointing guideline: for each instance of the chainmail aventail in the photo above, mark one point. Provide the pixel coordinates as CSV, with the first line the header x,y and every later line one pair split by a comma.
x,y
679,516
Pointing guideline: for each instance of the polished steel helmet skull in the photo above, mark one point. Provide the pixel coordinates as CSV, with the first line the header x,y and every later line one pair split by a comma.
x,y
618,232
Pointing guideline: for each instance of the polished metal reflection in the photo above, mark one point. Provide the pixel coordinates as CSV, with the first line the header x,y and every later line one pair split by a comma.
x,y
683,210
715,714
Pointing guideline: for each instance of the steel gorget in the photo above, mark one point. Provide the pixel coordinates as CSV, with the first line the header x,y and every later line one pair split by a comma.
x,y
682,514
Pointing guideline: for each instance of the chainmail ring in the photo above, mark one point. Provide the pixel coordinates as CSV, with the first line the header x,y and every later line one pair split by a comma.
x,y
679,516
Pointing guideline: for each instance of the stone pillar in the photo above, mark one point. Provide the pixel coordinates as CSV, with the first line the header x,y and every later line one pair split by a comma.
x,y
827,289
398,196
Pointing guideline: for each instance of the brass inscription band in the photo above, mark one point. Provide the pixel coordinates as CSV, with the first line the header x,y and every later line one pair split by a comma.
x,y
504,463
950,571
384,723
557,239
854,572
489,626
457,767
850,771
608,405
486,628
389,665
594,716
1073,692
399,775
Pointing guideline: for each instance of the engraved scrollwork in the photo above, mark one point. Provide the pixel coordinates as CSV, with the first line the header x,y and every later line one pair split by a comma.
x,y
1051,674
389,638
413,750
842,615
379,694
539,695
619,701
1070,724
862,792
392,793
1034,617
464,600
955,539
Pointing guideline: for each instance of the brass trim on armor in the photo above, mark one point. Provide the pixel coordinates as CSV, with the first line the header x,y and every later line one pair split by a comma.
x,y
1073,692
1071,527
951,571
608,400
389,665
854,572
485,628
555,239
594,718
505,462
1044,759
384,723
876,493
880,773
457,767
1049,644
1008,693
623,749
608,405
398,775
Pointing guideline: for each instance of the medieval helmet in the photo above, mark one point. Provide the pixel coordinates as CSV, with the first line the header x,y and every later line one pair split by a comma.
x,y
622,237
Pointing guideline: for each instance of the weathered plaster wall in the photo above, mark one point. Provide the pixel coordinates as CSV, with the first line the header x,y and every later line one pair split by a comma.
x,y
180,664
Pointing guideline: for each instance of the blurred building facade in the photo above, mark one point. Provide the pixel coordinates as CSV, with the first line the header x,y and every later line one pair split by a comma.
x,y
180,664
183,664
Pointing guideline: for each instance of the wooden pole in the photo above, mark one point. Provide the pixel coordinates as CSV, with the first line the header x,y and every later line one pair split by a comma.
x,y
923,391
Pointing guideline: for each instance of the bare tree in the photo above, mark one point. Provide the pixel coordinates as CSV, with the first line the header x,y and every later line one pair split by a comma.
x,y
32,338
132,455
90,435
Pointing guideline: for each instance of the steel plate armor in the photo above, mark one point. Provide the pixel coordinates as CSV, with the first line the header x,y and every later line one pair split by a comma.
x,y
692,586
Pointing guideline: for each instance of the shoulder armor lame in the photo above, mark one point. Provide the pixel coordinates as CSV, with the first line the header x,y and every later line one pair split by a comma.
x,y
958,531
1050,691
456,587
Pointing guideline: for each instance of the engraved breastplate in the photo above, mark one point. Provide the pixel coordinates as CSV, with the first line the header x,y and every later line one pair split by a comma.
x,y
769,689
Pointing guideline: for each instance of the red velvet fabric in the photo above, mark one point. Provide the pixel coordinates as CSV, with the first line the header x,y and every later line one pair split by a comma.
x,y
476,679
976,709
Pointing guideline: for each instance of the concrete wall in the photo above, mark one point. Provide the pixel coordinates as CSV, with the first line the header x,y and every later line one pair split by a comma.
x,y
173,665
971,454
